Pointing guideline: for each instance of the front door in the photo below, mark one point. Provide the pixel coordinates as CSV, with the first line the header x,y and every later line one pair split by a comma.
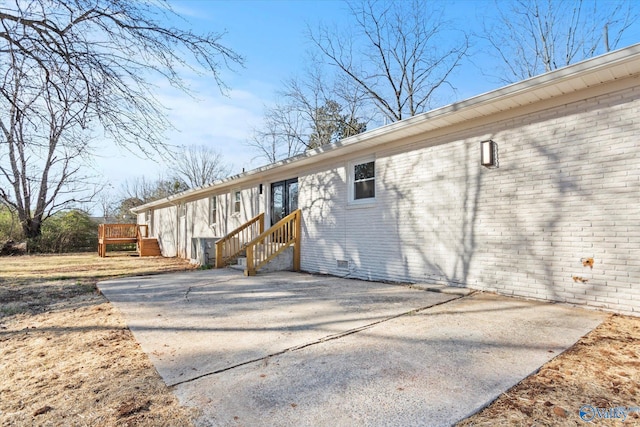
x,y
284,199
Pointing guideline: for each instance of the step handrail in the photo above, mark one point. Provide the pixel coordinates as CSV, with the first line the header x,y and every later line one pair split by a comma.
x,y
274,241
233,243
140,234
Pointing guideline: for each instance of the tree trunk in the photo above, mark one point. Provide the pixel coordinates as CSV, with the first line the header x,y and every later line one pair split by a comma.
x,y
32,228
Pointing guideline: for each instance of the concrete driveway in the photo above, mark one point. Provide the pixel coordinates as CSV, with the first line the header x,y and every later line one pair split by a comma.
x,y
296,349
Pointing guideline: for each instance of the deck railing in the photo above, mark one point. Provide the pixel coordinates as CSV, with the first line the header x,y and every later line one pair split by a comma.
x,y
274,241
231,245
117,234
117,231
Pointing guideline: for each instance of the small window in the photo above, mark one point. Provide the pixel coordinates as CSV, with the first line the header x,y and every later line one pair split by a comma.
x,y
182,209
236,202
148,220
213,210
364,181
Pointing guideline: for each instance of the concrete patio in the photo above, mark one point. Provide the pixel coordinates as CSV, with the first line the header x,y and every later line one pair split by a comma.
x,y
298,349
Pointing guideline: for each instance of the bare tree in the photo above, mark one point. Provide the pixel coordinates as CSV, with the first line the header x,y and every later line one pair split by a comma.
x,y
42,150
107,203
281,134
147,190
531,37
400,53
330,108
199,165
73,69
312,111
141,190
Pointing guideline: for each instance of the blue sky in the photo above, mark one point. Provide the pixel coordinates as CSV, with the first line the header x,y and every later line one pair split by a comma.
x,y
270,36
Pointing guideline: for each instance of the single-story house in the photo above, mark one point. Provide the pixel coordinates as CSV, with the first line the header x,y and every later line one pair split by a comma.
x,y
530,190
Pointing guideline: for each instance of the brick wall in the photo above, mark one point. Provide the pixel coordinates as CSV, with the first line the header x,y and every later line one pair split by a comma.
x,y
567,189
175,234
164,229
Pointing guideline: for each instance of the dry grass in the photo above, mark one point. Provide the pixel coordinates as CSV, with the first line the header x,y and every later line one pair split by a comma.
x,y
83,266
66,355
602,370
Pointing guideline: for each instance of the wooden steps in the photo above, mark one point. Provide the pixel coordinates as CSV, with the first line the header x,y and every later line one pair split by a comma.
x,y
149,246
273,242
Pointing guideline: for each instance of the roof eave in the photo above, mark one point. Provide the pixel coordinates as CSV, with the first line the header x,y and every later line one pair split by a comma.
x,y
626,59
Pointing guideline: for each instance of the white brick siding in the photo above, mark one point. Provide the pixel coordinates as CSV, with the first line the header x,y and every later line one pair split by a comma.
x,y
322,198
174,233
165,227
567,188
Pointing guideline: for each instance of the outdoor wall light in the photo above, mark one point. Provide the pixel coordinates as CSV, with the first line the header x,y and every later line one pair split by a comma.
x,y
488,154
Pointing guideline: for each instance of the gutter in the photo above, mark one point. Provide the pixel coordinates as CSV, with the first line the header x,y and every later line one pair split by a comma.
x,y
588,67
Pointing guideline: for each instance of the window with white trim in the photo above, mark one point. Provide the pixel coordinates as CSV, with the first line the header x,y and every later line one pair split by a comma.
x,y
148,219
236,201
362,177
213,210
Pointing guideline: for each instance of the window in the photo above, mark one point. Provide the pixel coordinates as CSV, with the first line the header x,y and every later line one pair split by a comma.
x,y
236,202
148,219
213,210
364,180
182,209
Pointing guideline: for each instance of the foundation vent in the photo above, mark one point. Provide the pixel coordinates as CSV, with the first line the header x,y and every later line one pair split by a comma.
x,y
343,264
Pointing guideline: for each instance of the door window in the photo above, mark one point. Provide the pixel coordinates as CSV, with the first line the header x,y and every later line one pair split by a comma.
x,y
277,202
284,199
292,197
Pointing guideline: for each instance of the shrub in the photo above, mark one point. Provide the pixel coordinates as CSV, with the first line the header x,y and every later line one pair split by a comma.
x,y
68,231
9,225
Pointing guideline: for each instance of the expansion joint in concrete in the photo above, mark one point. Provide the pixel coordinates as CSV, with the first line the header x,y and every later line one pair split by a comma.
x,y
318,341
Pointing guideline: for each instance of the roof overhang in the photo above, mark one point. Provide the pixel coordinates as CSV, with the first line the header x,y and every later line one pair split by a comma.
x,y
613,66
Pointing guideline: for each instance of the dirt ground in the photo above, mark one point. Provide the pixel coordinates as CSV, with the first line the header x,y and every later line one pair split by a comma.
x,y
67,358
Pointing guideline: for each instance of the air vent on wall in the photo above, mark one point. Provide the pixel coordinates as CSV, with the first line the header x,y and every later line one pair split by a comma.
x,y
343,264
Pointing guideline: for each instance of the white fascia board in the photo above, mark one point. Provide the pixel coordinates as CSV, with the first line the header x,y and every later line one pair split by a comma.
x,y
605,68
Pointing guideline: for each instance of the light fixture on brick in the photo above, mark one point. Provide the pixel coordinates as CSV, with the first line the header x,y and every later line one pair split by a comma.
x,y
488,153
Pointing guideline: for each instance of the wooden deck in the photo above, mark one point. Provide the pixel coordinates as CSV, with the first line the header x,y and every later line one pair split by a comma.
x,y
119,234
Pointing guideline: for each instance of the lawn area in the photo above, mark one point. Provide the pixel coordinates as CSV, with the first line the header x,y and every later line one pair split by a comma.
x,y
19,269
67,357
